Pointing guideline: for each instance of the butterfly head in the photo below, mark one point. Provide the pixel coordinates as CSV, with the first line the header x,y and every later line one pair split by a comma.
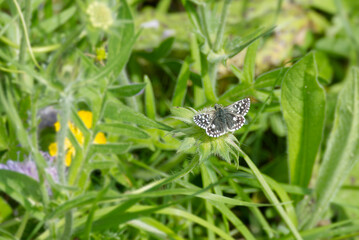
x,y
217,106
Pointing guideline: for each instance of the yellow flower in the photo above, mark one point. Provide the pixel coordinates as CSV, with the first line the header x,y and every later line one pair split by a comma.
x,y
101,54
86,118
100,15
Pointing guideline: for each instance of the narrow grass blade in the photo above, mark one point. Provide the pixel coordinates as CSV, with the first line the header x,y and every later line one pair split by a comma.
x,y
127,90
111,148
150,104
240,44
181,85
122,129
209,172
271,196
155,228
208,205
248,73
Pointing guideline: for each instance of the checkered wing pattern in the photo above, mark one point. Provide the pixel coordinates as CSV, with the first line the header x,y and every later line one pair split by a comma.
x,y
204,119
216,128
220,120
234,121
240,107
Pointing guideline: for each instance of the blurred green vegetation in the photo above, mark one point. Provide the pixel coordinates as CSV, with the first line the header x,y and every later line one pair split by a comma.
x,y
97,139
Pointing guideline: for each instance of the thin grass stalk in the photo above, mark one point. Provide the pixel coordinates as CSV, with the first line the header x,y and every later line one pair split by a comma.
x,y
271,196
22,226
189,209
255,211
227,214
26,35
27,18
209,208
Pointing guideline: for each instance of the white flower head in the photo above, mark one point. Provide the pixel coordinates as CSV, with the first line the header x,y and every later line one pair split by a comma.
x,y
100,15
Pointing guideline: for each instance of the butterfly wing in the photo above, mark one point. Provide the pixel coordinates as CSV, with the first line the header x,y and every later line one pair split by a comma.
x,y
203,119
216,128
240,107
234,121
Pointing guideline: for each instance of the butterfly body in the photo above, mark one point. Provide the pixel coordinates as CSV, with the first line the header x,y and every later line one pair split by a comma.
x,y
220,120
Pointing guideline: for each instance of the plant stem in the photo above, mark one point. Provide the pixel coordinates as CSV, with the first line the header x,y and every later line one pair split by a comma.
x,y
220,30
212,73
27,15
68,225
204,21
208,80
61,136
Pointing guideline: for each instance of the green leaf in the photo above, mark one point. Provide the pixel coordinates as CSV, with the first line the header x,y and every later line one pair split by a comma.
x,y
122,129
268,79
183,114
339,46
162,50
7,235
303,104
127,90
154,227
181,85
325,70
196,79
111,216
115,111
4,138
342,151
149,99
236,93
22,188
237,45
249,64
111,148
49,25
6,210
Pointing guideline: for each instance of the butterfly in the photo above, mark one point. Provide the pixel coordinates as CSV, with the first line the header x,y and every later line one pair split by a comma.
x,y
220,120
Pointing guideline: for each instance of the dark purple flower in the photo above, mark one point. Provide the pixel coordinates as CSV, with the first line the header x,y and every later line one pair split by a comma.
x,y
48,116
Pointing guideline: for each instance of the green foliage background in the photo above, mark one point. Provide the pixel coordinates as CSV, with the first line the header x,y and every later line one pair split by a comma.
x,y
144,69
